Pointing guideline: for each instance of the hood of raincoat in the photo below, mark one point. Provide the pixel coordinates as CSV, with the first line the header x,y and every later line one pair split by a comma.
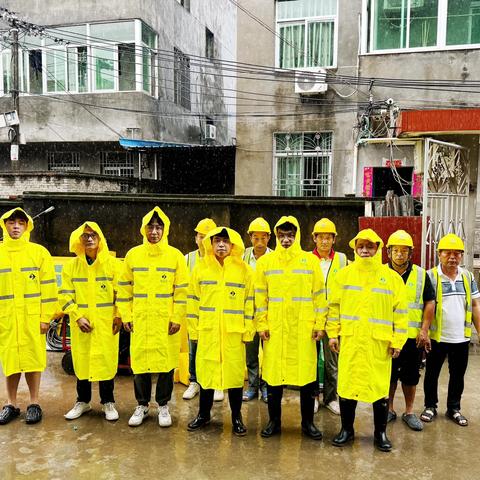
x,y
370,262
296,247
154,248
78,249
238,247
26,235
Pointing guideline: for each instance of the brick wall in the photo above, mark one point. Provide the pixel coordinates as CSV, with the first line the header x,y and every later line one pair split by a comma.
x,y
14,184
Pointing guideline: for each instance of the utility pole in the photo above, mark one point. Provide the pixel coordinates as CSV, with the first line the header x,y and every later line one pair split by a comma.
x,y
14,133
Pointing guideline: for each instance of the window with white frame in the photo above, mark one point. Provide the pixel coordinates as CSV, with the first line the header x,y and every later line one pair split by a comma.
x,y
96,57
423,24
302,164
307,31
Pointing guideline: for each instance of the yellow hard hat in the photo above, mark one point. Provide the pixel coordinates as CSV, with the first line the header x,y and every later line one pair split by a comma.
x,y
400,238
259,225
451,242
205,225
324,225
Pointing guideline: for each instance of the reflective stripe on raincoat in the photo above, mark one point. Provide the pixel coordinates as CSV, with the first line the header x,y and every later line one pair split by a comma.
x,y
28,296
290,303
367,309
89,291
220,315
152,292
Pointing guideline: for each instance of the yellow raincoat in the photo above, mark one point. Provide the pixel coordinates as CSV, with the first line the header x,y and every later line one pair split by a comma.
x,y
28,296
152,291
367,309
220,314
89,291
290,303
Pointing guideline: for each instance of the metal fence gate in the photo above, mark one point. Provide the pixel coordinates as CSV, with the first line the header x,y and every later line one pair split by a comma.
x,y
446,184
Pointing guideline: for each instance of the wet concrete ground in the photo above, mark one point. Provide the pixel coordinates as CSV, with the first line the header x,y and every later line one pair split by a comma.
x,y
92,448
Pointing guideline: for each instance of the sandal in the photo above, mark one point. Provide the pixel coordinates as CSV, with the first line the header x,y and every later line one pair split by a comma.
x,y
457,417
428,414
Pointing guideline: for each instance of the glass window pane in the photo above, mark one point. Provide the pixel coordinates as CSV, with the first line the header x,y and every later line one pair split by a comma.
x,y
126,66
423,23
115,32
104,68
82,69
292,46
288,9
463,22
146,66
6,61
320,44
390,24
148,36
55,71
77,69
75,34
35,71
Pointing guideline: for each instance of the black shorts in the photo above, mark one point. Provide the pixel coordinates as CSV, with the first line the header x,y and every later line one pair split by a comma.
x,y
406,367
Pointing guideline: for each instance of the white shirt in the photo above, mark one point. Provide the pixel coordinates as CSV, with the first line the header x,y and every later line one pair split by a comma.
x,y
453,306
249,256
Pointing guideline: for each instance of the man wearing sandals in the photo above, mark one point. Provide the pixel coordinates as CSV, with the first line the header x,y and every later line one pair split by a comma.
x,y
421,308
457,307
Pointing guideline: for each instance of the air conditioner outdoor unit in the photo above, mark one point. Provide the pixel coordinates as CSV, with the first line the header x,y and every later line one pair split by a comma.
x,y
311,82
397,4
210,132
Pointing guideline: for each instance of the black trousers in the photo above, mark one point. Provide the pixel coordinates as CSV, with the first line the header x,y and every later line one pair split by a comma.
x,y
307,402
143,388
234,398
84,391
457,354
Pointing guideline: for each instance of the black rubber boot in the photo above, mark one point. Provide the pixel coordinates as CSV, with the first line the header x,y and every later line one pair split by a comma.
x,y
238,428
347,414
307,404
380,416
274,425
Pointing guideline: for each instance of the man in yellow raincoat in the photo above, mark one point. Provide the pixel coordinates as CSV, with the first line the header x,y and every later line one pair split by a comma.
x,y
28,301
152,300
290,311
367,309
193,258
87,296
220,319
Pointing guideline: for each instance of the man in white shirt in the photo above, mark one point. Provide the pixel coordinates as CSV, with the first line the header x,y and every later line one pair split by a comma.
x,y
458,306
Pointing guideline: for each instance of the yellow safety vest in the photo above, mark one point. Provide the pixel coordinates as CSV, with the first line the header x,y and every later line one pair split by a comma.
x,y
415,285
436,326
191,258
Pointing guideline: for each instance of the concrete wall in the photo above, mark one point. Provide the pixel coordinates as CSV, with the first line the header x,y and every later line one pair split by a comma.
x,y
255,135
120,216
45,119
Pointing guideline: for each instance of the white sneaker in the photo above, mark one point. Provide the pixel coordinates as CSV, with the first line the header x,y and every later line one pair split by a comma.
x,y
192,390
218,396
164,418
78,410
334,407
316,405
138,416
111,413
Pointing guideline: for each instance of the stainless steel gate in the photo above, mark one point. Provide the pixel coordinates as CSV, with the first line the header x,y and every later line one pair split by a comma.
x,y
445,197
